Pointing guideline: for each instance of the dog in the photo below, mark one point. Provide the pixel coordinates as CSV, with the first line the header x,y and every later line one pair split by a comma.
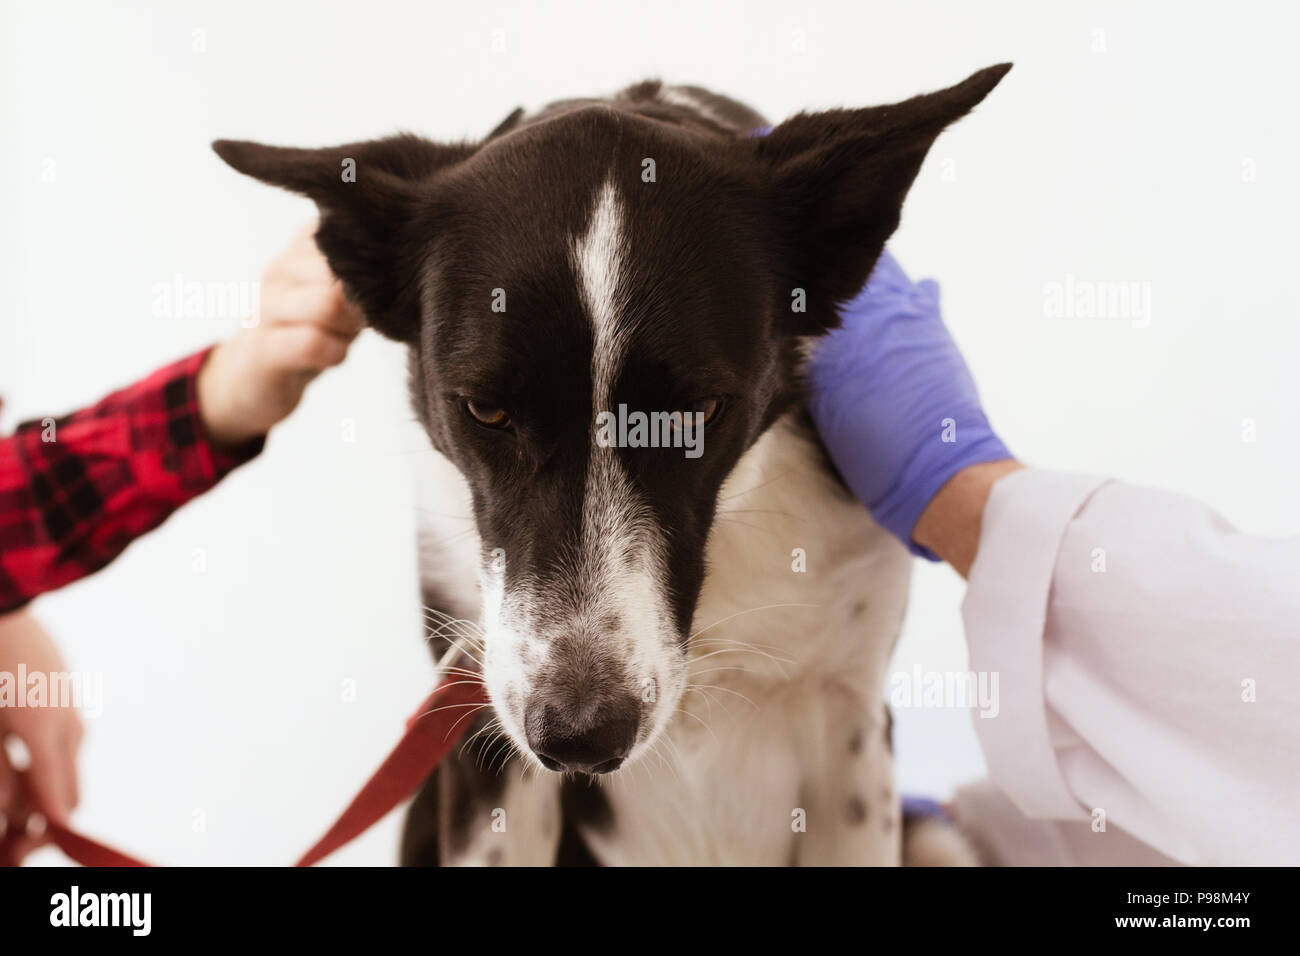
x,y
685,654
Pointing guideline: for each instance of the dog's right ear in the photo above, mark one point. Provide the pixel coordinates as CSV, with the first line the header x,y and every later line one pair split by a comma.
x,y
368,194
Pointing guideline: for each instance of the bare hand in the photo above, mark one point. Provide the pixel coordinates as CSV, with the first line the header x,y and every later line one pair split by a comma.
x,y
254,380
51,734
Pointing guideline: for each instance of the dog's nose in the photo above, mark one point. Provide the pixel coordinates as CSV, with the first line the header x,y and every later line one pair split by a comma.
x,y
565,739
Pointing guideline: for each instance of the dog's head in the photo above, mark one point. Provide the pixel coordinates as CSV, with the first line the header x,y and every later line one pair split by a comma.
x,y
604,308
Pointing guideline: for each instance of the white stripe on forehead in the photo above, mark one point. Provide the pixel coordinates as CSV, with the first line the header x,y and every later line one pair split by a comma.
x,y
598,258
620,563
609,509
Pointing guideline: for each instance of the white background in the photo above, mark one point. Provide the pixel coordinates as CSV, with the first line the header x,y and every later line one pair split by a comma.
x,y
1158,145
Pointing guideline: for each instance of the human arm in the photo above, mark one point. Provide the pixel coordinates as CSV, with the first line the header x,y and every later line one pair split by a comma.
x,y
75,491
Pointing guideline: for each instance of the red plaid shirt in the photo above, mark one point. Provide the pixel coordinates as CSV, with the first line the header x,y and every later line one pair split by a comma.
x,y
77,490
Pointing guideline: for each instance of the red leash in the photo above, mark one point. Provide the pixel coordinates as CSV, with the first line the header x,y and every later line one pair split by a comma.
x,y
430,734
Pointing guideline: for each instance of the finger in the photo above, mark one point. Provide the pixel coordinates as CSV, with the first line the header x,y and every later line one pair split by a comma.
x,y
53,776
15,817
312,302
36,835
302,258
345,319
70,743
323,305
319,303
306,348
301,264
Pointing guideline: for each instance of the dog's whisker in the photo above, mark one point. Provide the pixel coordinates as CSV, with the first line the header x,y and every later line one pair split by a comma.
x,y
455,653
458,639
761,511
714,670
508,752
436,710
463,671
664,760
463,716
744,524
462,652
696,717
469,741
446,620
458,649
708,701
764,484
732,617
488,747
732,642
707,691
477,682
729,690
454,627
740,650
443,615
676,760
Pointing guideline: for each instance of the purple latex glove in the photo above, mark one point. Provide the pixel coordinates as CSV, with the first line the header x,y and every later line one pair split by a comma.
x,y
894,401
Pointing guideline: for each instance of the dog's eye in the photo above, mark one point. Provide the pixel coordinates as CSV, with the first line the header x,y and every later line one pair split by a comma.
x,y
486,415
703,410
708,407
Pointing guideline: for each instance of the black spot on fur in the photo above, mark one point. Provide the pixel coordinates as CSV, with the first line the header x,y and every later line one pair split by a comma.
x,y
856,810
889,729
855,742
496,856
859,608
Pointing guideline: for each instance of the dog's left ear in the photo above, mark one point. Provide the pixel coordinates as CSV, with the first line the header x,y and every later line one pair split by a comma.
x,y
369,195
839,178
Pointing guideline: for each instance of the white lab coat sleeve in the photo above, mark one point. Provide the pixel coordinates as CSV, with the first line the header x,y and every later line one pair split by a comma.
x,y
1148,666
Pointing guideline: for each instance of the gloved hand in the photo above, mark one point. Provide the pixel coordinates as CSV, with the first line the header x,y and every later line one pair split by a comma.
x,y
894,401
